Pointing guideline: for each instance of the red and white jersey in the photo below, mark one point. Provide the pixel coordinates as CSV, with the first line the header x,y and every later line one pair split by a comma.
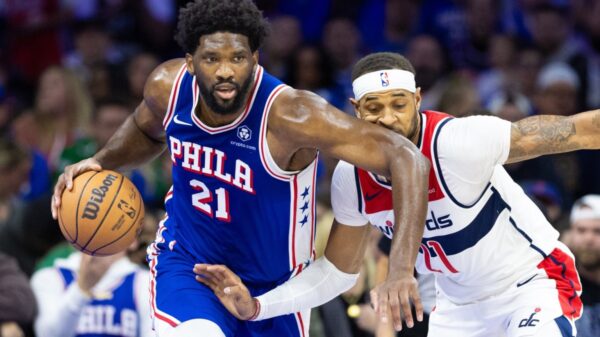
x,y
482,233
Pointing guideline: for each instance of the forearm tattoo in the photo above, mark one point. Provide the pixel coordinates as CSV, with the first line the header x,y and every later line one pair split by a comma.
x,y
539,135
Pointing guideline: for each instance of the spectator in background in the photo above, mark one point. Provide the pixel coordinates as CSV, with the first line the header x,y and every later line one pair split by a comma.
x,y
27,230
446,20
548,197
93,296
281,44
460,98
395,31
583,239
17,303
501,75
482,23
430,62
106,119
557,95
94,48
342,42
552,32
32,30
529,62
138,69
510,105
587,64
557,86
60,115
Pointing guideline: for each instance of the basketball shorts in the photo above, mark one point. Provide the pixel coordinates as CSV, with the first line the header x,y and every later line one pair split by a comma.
x,y
549,296
177,297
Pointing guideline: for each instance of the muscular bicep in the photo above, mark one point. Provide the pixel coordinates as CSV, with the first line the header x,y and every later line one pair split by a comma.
x,y
346,246
304,120
149,120
150,114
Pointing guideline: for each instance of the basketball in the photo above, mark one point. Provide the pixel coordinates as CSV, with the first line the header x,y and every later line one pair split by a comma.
x,y
102,214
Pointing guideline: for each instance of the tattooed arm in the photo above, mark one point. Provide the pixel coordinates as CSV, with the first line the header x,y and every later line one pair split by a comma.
x,y
539,135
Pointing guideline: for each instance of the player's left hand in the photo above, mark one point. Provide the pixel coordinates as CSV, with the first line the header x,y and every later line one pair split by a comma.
x,y
398,293
229,288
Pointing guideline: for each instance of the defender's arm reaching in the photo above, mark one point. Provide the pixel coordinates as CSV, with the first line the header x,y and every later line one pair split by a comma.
x,y
539,135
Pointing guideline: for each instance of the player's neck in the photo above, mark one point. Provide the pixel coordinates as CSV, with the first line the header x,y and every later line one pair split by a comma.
x,y
211,118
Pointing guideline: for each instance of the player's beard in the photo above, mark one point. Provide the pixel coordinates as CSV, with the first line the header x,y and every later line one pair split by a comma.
x,y
414,126
208,95
587,258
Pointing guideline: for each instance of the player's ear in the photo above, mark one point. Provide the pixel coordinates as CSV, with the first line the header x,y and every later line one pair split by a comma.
x,y
418,98
189,61
255,56
356,106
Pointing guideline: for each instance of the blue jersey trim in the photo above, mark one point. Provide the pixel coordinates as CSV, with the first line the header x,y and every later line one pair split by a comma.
x,y
67,276
469,236
358,190
522,232
421,127
564,326
441,175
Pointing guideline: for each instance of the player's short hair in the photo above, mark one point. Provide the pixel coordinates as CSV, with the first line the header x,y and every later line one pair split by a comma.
x,y
203,17
381,61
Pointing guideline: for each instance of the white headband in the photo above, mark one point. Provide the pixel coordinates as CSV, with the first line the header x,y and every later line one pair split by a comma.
x,y
383,80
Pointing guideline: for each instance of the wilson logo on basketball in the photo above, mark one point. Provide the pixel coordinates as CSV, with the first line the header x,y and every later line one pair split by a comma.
x,y
97,197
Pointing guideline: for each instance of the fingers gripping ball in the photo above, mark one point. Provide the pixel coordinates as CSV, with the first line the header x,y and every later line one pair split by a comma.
x,y
102,214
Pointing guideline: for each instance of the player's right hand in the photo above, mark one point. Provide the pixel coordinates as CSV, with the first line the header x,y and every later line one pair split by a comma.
x,y
395,296
229,289
65,180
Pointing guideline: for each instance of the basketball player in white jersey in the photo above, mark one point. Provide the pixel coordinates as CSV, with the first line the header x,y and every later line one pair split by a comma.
x,y
500,270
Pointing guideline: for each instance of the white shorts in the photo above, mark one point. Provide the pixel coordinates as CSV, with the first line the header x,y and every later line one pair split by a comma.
x,y
550,296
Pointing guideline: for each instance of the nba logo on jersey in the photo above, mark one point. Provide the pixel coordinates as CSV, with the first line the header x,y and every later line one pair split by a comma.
x,y
384,79
244,133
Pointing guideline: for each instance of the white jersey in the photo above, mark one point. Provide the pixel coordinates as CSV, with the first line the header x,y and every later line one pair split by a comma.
x,y
120,307
482,234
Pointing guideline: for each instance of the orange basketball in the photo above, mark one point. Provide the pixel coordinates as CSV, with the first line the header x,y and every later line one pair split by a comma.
x,y
102,214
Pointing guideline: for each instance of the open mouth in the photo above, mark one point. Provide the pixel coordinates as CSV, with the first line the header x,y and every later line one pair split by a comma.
x,y
226,91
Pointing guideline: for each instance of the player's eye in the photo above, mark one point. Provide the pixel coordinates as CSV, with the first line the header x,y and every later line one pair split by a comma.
x,y
239,58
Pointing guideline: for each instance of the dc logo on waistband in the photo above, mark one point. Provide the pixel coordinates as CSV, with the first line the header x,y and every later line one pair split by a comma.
x,y
384,79
244,133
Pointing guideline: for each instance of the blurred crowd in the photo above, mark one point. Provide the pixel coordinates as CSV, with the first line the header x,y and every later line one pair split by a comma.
x,y
72,71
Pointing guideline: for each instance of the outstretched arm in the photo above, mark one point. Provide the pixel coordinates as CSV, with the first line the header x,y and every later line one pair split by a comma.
x,y
545,134
301,120
319,283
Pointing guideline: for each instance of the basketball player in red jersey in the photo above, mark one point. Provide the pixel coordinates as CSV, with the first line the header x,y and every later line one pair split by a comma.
x,y
499,267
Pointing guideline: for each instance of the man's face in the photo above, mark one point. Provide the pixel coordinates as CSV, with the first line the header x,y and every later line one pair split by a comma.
x,y
223,65
108,120
585,242
394,109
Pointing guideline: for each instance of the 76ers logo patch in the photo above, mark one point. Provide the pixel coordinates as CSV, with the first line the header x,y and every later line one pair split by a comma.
x,y
244,133
385,81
